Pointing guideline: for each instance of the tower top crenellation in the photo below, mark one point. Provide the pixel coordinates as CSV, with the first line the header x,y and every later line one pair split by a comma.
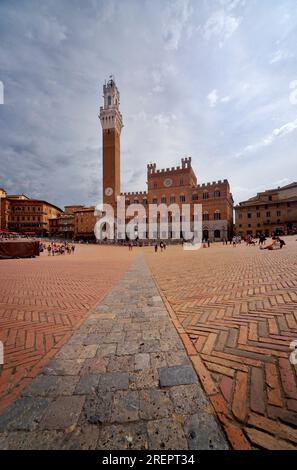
x,y
110,115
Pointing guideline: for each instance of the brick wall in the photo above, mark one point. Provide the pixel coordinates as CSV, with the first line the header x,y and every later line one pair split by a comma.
x,y
178,185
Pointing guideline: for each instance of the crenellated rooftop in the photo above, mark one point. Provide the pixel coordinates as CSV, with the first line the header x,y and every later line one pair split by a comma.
x,y
135,193
185,164
207,185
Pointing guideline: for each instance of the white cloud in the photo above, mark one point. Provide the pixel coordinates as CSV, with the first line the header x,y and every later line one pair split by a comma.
x,y
176,19
280,55
48,30
213,98
293,94
225,99
220,25
285,129
165,120
160,75
140,116
232,4
269,139
282,182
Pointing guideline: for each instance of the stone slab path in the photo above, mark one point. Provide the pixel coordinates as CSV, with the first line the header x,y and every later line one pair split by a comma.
x,y
123,380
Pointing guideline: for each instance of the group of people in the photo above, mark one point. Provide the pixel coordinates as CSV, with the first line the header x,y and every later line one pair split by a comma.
x,y
249,240
277,243
60,248
236,240
162,246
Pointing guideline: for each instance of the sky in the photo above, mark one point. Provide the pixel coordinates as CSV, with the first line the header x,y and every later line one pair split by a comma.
x,y
212,79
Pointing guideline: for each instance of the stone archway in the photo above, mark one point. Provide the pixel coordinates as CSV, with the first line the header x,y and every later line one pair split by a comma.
x,y
205,234
217,234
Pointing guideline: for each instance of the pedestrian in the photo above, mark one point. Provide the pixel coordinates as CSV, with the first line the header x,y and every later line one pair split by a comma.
x,y
261,239
49,249
208,243
156,247
161,246
281,242
73,249
130,246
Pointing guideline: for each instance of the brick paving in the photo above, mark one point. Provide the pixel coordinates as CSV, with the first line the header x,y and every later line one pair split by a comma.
x,y
236,311
43,301
122,381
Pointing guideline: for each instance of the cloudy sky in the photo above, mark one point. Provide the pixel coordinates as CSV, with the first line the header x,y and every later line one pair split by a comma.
x,y
213,79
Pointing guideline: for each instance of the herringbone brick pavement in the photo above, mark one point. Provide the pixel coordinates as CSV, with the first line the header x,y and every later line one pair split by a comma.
x,y
43,301
236,310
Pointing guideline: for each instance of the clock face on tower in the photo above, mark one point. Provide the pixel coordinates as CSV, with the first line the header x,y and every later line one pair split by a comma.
x,y
108,191
167,182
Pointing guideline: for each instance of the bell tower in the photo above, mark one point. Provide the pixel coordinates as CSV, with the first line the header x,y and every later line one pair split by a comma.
x,y
111,122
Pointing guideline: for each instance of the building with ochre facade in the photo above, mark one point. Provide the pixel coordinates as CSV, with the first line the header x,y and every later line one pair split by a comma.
x,y
273,211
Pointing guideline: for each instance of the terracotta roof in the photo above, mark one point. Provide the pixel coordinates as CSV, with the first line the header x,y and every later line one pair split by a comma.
x,y
26,201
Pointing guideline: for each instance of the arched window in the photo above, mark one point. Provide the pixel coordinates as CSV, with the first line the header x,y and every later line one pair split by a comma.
x,y
172,199
205,216
182,198
217,193
205,195
217,234
163,199
109,100
217,215
195,197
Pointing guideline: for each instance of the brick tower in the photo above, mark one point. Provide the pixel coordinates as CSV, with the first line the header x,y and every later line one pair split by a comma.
x,y
111,122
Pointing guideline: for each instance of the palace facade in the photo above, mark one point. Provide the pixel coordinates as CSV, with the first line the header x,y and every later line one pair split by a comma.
x,y
269,212
19,213
75,223
175,185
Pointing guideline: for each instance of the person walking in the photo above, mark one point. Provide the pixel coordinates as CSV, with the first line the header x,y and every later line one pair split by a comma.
x,y
156,247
